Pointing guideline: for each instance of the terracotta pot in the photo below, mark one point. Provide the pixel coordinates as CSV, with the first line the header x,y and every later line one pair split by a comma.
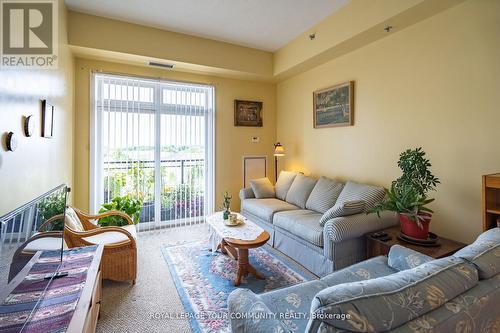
x,y
411,228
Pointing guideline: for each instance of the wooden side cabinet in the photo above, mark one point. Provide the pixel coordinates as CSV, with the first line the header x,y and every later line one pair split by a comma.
x,y
491,201
87,309
376,247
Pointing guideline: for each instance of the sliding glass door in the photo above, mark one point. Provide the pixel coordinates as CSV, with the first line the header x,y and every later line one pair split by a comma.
x,y
153,139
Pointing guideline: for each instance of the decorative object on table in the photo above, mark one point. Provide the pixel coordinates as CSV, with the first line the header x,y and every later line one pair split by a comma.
x,y
128,204
11,141
47,119
204,280
491,201
279,151
226,205
233,218
29,125
431,240
408,194
375,246
334,106
247,113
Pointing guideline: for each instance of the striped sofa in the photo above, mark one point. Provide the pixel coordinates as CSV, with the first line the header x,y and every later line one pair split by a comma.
x,y
320,223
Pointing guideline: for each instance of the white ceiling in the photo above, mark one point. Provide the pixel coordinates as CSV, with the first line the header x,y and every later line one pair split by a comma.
x,y
262,24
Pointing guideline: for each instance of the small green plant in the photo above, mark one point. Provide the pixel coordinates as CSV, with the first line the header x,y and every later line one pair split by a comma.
x,y
408,194
126,204
226,204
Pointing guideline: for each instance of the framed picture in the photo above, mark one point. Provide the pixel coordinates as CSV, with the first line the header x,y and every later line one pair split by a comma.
x,y
334,106
247,113
47,119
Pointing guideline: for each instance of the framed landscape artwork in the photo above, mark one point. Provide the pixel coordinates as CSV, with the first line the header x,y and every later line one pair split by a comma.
x,y
334,106
247,113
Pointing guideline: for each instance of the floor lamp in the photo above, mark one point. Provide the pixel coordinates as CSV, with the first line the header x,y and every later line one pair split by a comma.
x,y
278,151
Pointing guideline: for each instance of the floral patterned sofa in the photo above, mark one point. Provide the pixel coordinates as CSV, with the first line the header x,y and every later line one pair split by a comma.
x,y
404,292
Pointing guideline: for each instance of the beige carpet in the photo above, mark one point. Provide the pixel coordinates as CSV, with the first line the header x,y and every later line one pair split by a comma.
x,y
128,309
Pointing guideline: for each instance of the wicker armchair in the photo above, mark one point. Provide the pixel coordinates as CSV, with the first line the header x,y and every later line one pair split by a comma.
x,y
119,259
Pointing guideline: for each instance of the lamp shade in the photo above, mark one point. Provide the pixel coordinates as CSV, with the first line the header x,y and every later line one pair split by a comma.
x,y
279,150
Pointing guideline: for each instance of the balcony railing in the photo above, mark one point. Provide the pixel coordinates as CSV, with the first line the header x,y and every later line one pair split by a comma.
x,y
182,186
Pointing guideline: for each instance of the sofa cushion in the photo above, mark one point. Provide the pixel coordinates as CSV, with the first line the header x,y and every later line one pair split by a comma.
x,y
484,253
283,183
265,208
302,223
344,208
368,193
365,270
384,303
112,237
324,195
262,188
300,190
401,258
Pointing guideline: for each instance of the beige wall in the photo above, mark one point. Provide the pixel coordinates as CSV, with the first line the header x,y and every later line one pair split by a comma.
x,y
231,142
38,164
435,85
98,33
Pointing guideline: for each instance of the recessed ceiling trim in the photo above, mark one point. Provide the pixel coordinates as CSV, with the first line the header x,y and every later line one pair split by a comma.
x,y
261,24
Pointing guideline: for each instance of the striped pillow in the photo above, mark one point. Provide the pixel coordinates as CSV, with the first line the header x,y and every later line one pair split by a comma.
x,y
283,184
262,188
355,191
345,208
324,195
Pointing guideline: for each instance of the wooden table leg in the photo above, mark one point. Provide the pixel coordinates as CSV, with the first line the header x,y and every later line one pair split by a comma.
x,y
244,267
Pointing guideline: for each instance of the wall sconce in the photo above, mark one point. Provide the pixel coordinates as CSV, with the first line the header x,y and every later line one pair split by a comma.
x,y
11,141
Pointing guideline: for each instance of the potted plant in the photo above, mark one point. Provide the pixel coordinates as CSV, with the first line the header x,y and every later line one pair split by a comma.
x,y
127,204
226,205
408,194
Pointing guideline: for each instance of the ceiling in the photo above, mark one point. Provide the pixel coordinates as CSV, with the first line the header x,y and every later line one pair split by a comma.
x,y
262,24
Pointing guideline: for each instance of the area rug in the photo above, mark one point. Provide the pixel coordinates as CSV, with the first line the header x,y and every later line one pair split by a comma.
x,y
204,280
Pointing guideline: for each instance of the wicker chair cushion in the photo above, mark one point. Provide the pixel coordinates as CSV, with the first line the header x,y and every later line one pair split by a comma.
x,y
44,244
72,220
112,237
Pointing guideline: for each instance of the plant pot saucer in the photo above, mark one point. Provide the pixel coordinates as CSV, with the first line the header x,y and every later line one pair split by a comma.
x,y
432,240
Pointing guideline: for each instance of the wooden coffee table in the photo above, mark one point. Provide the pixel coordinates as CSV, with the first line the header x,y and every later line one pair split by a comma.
x,y
238,249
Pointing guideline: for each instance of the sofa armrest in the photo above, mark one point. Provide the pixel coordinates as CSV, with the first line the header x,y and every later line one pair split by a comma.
x,y
248,314
348,227
246,193
402,258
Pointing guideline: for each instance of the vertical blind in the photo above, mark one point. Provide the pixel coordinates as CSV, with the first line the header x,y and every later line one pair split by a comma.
x,y
153,140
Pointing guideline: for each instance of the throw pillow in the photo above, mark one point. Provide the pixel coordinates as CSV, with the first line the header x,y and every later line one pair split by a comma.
x,y
72,220
262,188
301,187
324,195
345,208
355,191
283,184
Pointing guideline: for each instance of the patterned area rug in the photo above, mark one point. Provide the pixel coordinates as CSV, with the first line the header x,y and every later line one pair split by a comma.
x,y
204,280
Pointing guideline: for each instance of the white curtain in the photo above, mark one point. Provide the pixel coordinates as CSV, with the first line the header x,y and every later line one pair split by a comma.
x,y
153,140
